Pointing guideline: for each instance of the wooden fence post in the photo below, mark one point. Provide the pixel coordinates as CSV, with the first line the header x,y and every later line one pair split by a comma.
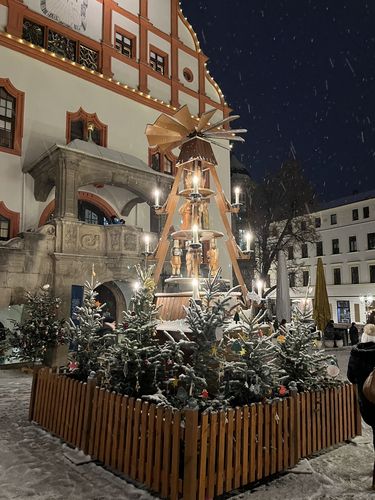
x,y
91,385
295,428
190,455
33,392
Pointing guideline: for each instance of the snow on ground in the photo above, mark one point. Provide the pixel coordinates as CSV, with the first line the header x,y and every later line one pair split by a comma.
x,y
33,465
32,462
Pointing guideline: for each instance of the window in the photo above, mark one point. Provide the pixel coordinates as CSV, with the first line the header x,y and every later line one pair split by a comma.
x,y
86,127
372,274
304,251
158,62
335,246
168,166
91,214
7,119
371,241
337,276
290,253
305,278
318,222
292,279
4,228
9,222
319,248
333,219
366,212
352,243
343,311
63,46
11,117
162,162
355,214
125,44
355,275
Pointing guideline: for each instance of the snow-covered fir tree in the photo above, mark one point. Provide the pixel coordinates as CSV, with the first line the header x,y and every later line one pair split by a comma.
x,y
304,364
41,329
89,344
251,371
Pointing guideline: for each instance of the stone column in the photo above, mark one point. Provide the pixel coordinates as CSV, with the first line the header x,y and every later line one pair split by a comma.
x,y
66,188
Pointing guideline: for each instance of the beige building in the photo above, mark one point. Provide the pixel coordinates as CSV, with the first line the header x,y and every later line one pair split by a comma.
x,y
79,81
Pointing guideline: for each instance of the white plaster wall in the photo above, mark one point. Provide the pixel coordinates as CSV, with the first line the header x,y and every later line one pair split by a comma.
x,y
159,89
211,91
126,24
125,73
3,17
129,5
184,35
93,28
159,13
191,101
187,61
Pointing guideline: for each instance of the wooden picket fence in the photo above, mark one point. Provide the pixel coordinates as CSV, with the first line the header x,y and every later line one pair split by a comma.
x,y
184,454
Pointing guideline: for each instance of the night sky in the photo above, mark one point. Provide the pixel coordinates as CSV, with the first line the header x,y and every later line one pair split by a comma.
x,y
301,74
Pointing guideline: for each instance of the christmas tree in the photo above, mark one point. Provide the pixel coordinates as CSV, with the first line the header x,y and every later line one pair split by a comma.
x,y
85,334
251,372
41,329
305,365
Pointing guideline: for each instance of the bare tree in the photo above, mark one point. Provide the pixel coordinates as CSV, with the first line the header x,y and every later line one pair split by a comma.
x,y
279,215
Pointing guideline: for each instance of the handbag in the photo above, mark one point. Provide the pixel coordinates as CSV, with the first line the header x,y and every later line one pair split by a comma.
x,y
369,387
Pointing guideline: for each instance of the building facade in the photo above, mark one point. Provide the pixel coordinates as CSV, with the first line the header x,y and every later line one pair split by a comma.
x,y
346,244
79,81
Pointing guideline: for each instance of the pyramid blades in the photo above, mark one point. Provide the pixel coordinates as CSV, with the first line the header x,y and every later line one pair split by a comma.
x,y
169,123
221,122
205,118
184,117
226,137
157,135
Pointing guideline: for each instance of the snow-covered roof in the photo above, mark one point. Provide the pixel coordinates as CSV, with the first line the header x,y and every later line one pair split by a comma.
x,y
347,200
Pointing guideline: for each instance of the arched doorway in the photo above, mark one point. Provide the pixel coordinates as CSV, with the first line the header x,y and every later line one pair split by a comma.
x,y
111,295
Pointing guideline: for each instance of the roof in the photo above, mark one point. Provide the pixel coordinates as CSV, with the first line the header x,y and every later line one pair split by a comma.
x,y
347,200
237,167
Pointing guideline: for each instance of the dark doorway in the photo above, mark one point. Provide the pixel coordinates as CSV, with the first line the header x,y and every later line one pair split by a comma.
x,y
105,296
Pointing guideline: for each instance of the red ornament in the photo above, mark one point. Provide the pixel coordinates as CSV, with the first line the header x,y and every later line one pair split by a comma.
x,y
204,393
282,390
73,365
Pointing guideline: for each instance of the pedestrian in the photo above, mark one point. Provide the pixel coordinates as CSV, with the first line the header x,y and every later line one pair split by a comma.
x,y
353,333
361,364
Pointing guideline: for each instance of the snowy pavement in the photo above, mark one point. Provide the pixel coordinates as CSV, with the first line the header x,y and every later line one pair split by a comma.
x,y
33,464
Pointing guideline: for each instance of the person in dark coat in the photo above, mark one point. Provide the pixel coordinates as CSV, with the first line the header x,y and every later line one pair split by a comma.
x,y
353,333
361,364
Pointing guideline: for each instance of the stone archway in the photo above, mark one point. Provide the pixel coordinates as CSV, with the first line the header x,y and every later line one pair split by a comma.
x,y
111,295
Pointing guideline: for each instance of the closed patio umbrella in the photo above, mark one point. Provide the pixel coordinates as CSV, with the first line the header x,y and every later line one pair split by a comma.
x,y
282,290
322,312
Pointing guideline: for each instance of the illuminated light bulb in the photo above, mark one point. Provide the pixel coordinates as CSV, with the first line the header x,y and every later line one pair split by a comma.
x,y
196,184
195,284
136,286
157,197
260,287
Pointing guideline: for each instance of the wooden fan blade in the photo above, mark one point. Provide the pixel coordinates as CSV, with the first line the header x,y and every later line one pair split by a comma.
x,y
183,116
225,137
229,131
169,123
157,136
163,148
221,122
205,118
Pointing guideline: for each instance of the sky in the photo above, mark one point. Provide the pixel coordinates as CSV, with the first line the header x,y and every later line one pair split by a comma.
x,y
301,73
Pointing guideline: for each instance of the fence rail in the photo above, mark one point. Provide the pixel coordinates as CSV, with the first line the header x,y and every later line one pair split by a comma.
x,y
184,454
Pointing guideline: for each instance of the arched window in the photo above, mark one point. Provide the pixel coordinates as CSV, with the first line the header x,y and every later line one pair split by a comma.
x,y
11,117
91,214
9,222
85,126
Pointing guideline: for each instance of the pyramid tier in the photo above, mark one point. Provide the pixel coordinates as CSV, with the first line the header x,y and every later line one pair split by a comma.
x,y
203,235
204,192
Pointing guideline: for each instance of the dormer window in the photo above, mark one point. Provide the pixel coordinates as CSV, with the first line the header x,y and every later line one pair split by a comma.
x,y
86,127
